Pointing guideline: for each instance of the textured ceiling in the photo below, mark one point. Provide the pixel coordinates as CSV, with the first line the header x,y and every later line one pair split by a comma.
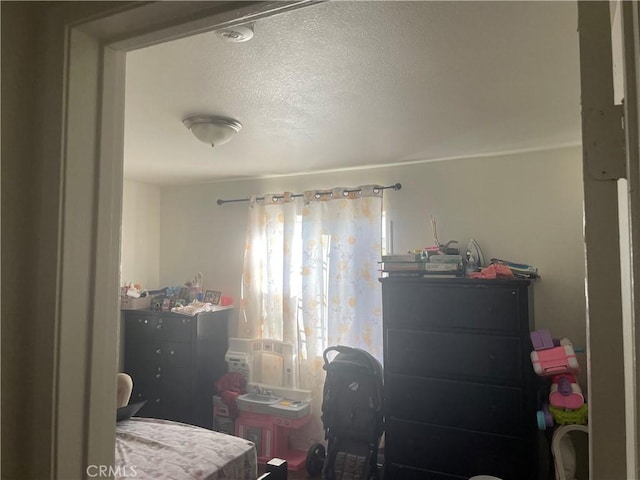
x,y
352,84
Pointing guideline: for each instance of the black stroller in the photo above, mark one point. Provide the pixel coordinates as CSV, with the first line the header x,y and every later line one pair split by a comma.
x,y
352,416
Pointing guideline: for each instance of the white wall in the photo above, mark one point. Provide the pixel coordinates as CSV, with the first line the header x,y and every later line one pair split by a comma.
x,y
140,254
522,207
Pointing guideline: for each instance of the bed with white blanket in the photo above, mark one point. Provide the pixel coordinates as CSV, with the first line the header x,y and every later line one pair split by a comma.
x,y
162,449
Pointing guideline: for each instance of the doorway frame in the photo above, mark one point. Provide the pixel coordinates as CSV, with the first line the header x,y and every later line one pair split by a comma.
x,y
94,43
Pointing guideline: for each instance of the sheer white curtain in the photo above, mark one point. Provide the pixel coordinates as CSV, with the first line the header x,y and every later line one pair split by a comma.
x,y
270,276
310,278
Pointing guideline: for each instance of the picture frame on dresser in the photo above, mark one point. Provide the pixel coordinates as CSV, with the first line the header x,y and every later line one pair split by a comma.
x,y
166,304
213,297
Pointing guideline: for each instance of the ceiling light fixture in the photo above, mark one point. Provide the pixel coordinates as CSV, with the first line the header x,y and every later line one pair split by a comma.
x,y
212,129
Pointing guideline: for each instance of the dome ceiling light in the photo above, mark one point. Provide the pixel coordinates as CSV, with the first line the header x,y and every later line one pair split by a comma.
x,y
212,129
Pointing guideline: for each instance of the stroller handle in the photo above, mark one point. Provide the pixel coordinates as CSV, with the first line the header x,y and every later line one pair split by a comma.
x,y
344,349
335,348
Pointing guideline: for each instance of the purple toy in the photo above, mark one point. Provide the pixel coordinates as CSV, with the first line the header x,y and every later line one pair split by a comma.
x,y
564,385
541,340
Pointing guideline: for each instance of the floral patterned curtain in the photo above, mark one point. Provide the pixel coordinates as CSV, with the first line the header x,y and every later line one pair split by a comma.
x,y
268,305
310,278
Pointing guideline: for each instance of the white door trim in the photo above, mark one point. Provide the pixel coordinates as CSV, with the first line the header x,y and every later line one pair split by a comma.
x,y
88,230
609,153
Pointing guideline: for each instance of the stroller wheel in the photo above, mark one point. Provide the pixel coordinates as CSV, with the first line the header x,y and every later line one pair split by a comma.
x,y
315,459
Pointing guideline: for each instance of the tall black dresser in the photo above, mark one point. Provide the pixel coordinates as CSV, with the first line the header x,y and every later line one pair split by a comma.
x,y
174,361
460,392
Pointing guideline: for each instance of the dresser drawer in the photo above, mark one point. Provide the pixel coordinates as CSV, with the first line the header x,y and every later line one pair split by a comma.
x,y
177,363
470,307
175,329
178,403
152,409
142,361
140,327
487,358
474,406
146,387
145,328
458,452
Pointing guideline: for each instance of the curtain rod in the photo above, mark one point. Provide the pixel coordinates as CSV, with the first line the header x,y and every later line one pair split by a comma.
x,y
396,186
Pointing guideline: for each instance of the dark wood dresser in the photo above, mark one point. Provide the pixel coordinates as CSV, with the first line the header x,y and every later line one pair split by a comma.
x,y
174,361
460,392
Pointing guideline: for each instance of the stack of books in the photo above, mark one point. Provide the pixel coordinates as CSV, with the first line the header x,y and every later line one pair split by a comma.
x,y
445,264
519,270
402,262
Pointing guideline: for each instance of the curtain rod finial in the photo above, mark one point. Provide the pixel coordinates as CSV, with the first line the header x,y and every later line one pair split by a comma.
x,y
397,186
220,201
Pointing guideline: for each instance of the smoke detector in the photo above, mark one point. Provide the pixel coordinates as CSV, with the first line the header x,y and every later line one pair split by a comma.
x,y
240,33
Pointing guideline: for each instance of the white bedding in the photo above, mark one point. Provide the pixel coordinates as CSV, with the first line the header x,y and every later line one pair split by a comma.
x,y
161,449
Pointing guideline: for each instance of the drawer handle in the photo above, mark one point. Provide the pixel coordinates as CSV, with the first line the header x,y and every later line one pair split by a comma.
x,y
158,375
158,351
171,352
157,400
159,327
